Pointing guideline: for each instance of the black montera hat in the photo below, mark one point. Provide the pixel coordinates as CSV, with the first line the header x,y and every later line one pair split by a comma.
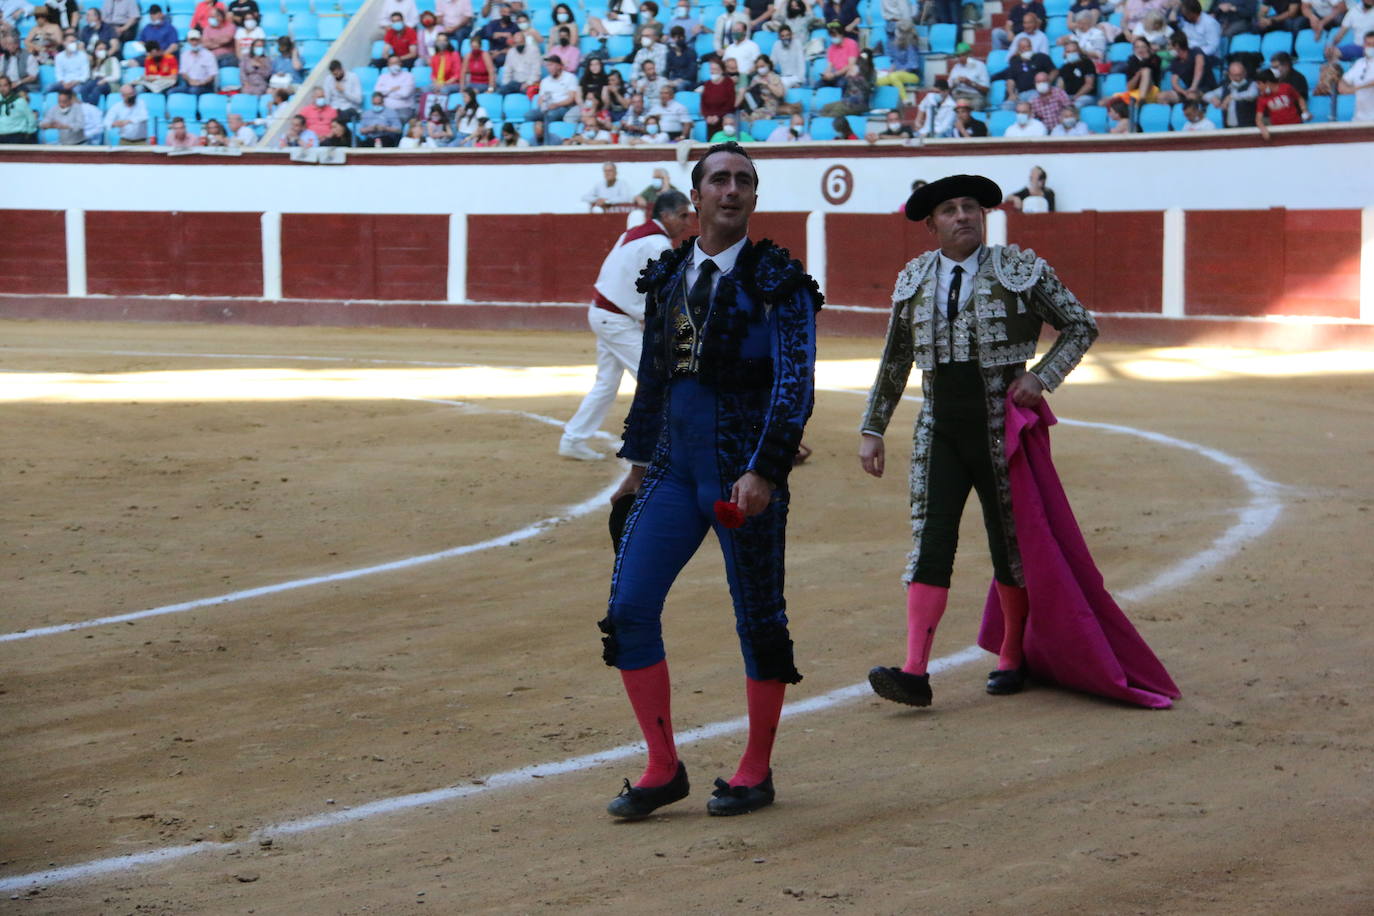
x,y
927,197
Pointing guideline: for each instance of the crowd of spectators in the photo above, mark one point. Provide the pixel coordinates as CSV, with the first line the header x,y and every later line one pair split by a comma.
x,y
481,73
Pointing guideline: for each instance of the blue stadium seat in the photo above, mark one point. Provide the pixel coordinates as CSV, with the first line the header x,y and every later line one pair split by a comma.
x,y
1112,84
858,125
181,105
1119,52
313,51
229,78
515,106
350,6
1056,56
882,62
1057,8
155,102
587,44
822,129
997,93
491,101
423,76
265,105
274,23
132,50
1345,108
181,22
699,131
1095,116
765,40
47,75
691,101
48,137
704,72
802,97
526,129
304,26
887,97
132,74
179,7
943,36
246,106
619,46
825,95
1248,43
367,79
1311,71
561,129
1274,42
997,61
1056,28
331,27
626,71
379,50
999,121
1154,118
705,43
213,106
542,21
1309,48
761,128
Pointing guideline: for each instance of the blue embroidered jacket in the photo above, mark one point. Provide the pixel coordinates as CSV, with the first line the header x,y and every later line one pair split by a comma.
x,y
757,350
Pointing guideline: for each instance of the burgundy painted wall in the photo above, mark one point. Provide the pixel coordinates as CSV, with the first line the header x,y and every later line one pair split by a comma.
x,y
865,251
364,256
1113,262
33,258
157,254
1273,262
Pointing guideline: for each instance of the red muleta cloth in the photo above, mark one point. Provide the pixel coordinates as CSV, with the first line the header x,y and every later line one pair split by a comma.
x,y
1076,634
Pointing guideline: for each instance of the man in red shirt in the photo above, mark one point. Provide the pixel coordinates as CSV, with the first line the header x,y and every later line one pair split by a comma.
x,y
318,113
159,70
402,41
206,9
1279,103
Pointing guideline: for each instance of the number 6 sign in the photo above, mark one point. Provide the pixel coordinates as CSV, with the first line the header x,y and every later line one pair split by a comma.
x,y
837,184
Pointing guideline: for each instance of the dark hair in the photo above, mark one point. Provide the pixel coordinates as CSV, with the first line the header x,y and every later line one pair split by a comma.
x,y
668,202
1266,76
67,92
1283,57
567,9
730,146
1191,6
1192,105
1120,107
335,65
1179,40
154,9
764,58
653,7
174,120
842,127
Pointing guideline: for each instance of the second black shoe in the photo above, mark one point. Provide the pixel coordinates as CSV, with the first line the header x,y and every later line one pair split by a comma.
x,y
635,802
728,800
1003,682
896,685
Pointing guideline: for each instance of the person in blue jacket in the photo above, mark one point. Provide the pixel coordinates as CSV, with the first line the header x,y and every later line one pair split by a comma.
x,y
726,384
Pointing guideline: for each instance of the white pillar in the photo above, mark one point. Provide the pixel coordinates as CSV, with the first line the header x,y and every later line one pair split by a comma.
x,y
1175,239
1367,265
815,247
271,255
458,257
76,252
997,227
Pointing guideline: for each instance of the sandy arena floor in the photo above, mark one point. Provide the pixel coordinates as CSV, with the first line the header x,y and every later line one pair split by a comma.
x,y
147,466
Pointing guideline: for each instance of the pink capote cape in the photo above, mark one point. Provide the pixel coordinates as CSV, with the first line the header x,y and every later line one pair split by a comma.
x,y
1076,635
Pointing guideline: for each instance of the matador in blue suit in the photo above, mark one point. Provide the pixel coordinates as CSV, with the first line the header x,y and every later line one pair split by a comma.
x,y
726,384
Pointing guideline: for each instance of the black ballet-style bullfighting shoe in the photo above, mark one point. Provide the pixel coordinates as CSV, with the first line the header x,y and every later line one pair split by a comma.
x,y
635,802
1004,682
728,800
896,685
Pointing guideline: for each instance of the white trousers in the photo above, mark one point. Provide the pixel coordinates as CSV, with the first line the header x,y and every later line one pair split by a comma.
x,y
619,339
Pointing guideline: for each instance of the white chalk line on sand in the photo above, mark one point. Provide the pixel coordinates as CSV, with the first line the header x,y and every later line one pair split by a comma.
x,y
505,540
1254,519
295,358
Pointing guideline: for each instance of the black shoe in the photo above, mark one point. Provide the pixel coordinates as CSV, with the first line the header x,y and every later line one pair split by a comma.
x,y
729,800
1003,682
896,685
635,802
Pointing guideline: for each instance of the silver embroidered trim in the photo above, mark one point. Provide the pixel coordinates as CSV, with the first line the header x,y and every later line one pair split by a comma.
x,y
1015,269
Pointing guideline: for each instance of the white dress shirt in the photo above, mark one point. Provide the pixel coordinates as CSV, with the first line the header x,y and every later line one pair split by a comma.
x,y
725,262
622,267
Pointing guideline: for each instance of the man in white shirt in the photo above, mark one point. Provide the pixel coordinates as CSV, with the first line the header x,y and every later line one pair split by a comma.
x,y
455,18
1070,125
1359,80
1030,28
397,86
523,67
609,190
1200,28
409,13
1356,24
743,50
129,117
616,318
725,24
1091,37
67,118
1026,125
1196,118
671,113
792,132
789,57
198,68
935,113
73,67
968,78
11,11
557,96
241,134
343,92
652,51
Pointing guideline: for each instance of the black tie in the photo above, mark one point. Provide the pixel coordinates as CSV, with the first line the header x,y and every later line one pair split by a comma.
x,y
699,296
952,304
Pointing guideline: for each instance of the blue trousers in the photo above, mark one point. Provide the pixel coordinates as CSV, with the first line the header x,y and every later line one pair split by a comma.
x,y
670,518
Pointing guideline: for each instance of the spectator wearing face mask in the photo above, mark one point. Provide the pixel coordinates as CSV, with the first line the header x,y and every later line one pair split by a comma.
x,y
67,118
479,67
318,112
682,18
1005,37
858,88
95,30
1279,103
1195,118
633,119
241,134
651,50
248,32
1078,76
966,126
204,10
401,42
789,58
379,125
619,19
730,129
648,21
497,34
1050,101
427,35
673,116
792,132
298,136
841,52
344,92
766,96
181,138
1070,125
445,68
935,112
218,38
455,18
1359,81
255,69
73,67
287,67
724,26
467,116
128,117
397,86
1235,97
563,46
240,11
743,50
159,70
199,69
410,15
660,183
159,29
106,75
680,61
893,129
717,97
1021,71
1026,124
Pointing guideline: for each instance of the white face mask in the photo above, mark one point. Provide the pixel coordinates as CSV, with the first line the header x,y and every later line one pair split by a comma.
x,y
682,12
1042,88
395,68
1026,55
101,54
1071,57
1022,118
658,182
214,22
258,52
562,17
250,24
1369,52
71,47
894,125
319,103
1069,123
646,42
764,71
729,130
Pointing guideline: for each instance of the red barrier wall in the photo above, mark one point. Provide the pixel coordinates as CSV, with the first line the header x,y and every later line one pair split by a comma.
x,y
364,256
157,254
1273,262
33,257
1113,262
864,252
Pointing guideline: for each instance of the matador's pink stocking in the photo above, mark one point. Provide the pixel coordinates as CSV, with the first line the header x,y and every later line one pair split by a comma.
x,y
651,697
1015,606
925,605
765,709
